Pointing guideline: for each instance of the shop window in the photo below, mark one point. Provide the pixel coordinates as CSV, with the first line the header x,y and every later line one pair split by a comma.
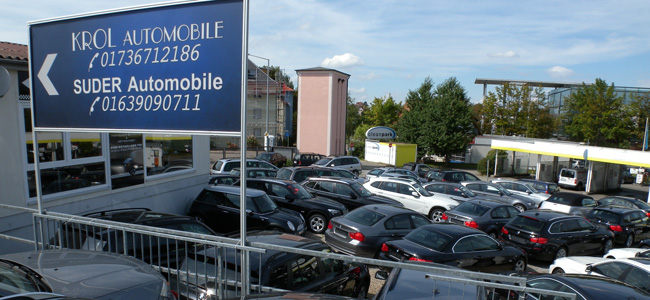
x,y
85,144
166,153
62,179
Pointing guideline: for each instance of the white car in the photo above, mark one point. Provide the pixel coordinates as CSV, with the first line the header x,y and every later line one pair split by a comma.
x,y
627,252
633,271
412,195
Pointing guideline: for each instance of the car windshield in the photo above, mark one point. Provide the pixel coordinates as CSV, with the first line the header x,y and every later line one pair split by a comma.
x,y
364,216
322,162
359,188
604,216
261,204
16,279
299,191
284,174
501,189
471,209
428,238
264,156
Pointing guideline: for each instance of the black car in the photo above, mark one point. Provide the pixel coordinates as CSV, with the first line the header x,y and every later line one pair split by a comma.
x,y
346,191
279,269
300,174
587,287
414,285
451,176
543,186
487,216
455,245
273,158
627,224
629,202
306,159
218,207
547,235
291,195
157,251
362,231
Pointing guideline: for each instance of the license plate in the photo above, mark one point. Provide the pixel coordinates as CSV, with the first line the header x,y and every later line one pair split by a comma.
x,y
517,239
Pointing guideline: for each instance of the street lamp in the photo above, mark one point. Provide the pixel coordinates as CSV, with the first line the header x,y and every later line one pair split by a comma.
x,y
268,74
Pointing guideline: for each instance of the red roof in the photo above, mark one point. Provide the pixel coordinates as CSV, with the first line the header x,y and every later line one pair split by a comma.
x,y
13,51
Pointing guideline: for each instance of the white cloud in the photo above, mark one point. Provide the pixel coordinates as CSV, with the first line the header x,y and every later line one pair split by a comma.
x,y
341,61
359,90
559,71
507,54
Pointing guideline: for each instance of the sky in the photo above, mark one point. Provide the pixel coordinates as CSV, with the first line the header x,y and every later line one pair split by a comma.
x,y
390,47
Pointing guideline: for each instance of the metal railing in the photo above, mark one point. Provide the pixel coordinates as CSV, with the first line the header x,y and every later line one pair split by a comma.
x,y
200,266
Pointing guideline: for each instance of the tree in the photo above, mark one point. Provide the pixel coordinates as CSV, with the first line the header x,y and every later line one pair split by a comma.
x,y
594,114
517,110
353,118
383,112
450,127
410,124
640,111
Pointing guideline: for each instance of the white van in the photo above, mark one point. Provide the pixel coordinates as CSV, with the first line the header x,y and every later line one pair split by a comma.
x,y
573,178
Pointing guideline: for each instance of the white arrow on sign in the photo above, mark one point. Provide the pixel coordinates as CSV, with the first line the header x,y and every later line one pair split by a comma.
x,y
42,75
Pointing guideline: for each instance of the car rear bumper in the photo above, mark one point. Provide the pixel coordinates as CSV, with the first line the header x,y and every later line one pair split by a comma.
x,y
349,247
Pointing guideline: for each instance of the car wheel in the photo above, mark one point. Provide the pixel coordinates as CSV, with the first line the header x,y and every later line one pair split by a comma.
x,y
520,265
356,172
609,244
520,207
436,215
629,241
562,252
558,271
317,223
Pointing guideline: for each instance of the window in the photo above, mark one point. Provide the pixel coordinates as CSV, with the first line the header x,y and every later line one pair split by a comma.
x,y
507,185
304,271
389,186
419,220
405,189
279,190
257,113
326,186
611,269
344,189
512,211
398,222
436,188
500,213
639,278
278,278
167,153
454,191
588,202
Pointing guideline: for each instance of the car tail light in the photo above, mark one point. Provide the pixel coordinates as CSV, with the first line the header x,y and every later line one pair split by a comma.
x,y
356,271
419,259
504,230
444,217
616,228
329,225
384,247
539,240
357,236
575,181
648,214
546,192
472,224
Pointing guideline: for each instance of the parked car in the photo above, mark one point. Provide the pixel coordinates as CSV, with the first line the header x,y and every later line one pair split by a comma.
x,y
496,192
350,163
300,174
402,173
273,158
628,252
349,175
629,202
420,169
451,176
523,189
573,178
548,235
218,207
487,216
455,245
362,231
255,172
412,195
452,190
376,172
570,203
81,274
587,287
224,166
543,186
158,251
410,284
227,179
290,295
279,269
306,159
627,224
345,191
633,271
291,195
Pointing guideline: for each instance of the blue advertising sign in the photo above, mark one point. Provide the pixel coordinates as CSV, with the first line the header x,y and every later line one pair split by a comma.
x,y
169,67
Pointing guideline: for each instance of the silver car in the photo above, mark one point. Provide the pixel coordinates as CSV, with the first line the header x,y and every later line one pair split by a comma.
x,y
82,274
522,188
496,192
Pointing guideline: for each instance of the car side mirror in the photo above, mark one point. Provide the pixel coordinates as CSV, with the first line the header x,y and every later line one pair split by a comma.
x,y
465,195
249,212
588,269
381,275
353,195
415,194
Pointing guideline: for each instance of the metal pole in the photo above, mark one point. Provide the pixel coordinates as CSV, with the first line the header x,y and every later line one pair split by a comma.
x,y
242,176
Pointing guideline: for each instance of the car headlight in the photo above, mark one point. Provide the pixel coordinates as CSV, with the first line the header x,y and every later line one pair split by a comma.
x,y
334,212
293,228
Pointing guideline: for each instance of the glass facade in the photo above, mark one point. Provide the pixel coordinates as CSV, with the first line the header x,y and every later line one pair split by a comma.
x,y
556,97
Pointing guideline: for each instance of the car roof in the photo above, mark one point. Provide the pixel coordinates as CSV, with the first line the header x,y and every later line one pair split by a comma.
x,y
616,209
450,229
456,184
487,202
628,198
571,196
547,215
129,215
393,179
234,190
276,180
330,178
387,209
592,285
